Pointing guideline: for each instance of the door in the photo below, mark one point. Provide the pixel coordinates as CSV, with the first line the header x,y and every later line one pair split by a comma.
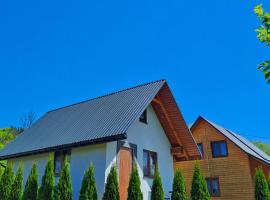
x,y
125,167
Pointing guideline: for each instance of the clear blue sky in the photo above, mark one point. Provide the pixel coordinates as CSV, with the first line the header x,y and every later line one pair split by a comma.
x,y
54,53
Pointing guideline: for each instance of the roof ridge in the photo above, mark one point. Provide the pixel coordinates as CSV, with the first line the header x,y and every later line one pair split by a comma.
x,y
109,94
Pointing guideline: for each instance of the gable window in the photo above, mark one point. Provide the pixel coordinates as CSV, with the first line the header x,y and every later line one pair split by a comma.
x,y
143,117
219,149
149,163
213,186
59,159
200,146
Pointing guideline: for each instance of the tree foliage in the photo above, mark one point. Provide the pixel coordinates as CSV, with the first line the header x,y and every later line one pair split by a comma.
x,y
263,146
199,190
31,188
263,34
64,186
46,191
6,182
261,187
17,186
88,189
157,189
111,188
134,187
179,187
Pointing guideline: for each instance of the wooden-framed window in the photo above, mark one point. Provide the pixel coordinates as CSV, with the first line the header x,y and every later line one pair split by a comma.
x,y
59,159
200,146
213,186
219,149
149,163
143,117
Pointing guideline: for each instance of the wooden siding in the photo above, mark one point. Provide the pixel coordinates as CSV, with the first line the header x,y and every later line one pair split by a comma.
x,y
233,171
255,163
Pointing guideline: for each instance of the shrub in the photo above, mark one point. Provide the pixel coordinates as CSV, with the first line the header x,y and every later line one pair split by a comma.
x,y
134,188
64,187
199,190
88,190
46,191
6,182
111,188
17,186
157,189
31,187
261,187
179,187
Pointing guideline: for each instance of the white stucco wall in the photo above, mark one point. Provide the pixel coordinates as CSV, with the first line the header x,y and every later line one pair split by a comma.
x,y
150,136
81,157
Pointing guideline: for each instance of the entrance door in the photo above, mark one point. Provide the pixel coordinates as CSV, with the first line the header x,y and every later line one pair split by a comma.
x,y
125,167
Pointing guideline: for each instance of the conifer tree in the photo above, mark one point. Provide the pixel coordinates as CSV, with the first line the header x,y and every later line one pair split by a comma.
x,y
268,182
134,188
88,189
261,187
46,191
157,189
17,186
199,190
6,182
31,188
111,188
179,187
64,187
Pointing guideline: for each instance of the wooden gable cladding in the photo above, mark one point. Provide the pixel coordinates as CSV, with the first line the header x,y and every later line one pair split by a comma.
x,y
173,123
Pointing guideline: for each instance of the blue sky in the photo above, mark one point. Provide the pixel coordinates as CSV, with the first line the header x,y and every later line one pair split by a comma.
x,y
54,53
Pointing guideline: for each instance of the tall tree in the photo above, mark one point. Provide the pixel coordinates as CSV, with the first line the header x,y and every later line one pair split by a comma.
x,y
199,190
17,186
46,191
111,188
134,188
157,189
64,187
263,34
31,187
88,189
261,187
6,182
28,120
179,187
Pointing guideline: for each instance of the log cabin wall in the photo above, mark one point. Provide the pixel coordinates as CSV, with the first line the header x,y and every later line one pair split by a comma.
x,y
233,171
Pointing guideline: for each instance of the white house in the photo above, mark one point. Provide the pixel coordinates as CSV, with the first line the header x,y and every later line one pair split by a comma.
x,y
141,125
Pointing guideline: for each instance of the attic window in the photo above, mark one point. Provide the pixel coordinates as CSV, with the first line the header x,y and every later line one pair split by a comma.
x,y
143,117
59,159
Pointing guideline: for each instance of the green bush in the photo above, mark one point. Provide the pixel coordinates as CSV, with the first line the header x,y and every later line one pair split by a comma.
x,y
199,190
88,189
31,188
157,189
111,188
261,187
6,182
17,186
46,191
64,187
179,187
134,188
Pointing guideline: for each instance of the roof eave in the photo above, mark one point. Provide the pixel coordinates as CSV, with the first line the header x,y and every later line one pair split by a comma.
x,y
121,136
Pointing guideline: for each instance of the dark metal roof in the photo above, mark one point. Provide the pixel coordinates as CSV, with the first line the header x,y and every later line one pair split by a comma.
x,y
241,142
101,119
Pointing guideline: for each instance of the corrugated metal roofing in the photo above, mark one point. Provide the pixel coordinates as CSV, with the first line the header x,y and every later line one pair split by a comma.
x,y
241,142
101,119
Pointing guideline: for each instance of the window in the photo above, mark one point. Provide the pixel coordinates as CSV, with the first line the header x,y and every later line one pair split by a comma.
x,y
143,117
149,163
213,187
200,146
59,159
219,149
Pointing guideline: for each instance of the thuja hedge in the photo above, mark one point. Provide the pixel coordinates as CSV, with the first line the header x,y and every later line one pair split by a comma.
x,y
12,188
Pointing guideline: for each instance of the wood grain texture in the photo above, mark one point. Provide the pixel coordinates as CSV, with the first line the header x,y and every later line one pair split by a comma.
x,y
234,171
